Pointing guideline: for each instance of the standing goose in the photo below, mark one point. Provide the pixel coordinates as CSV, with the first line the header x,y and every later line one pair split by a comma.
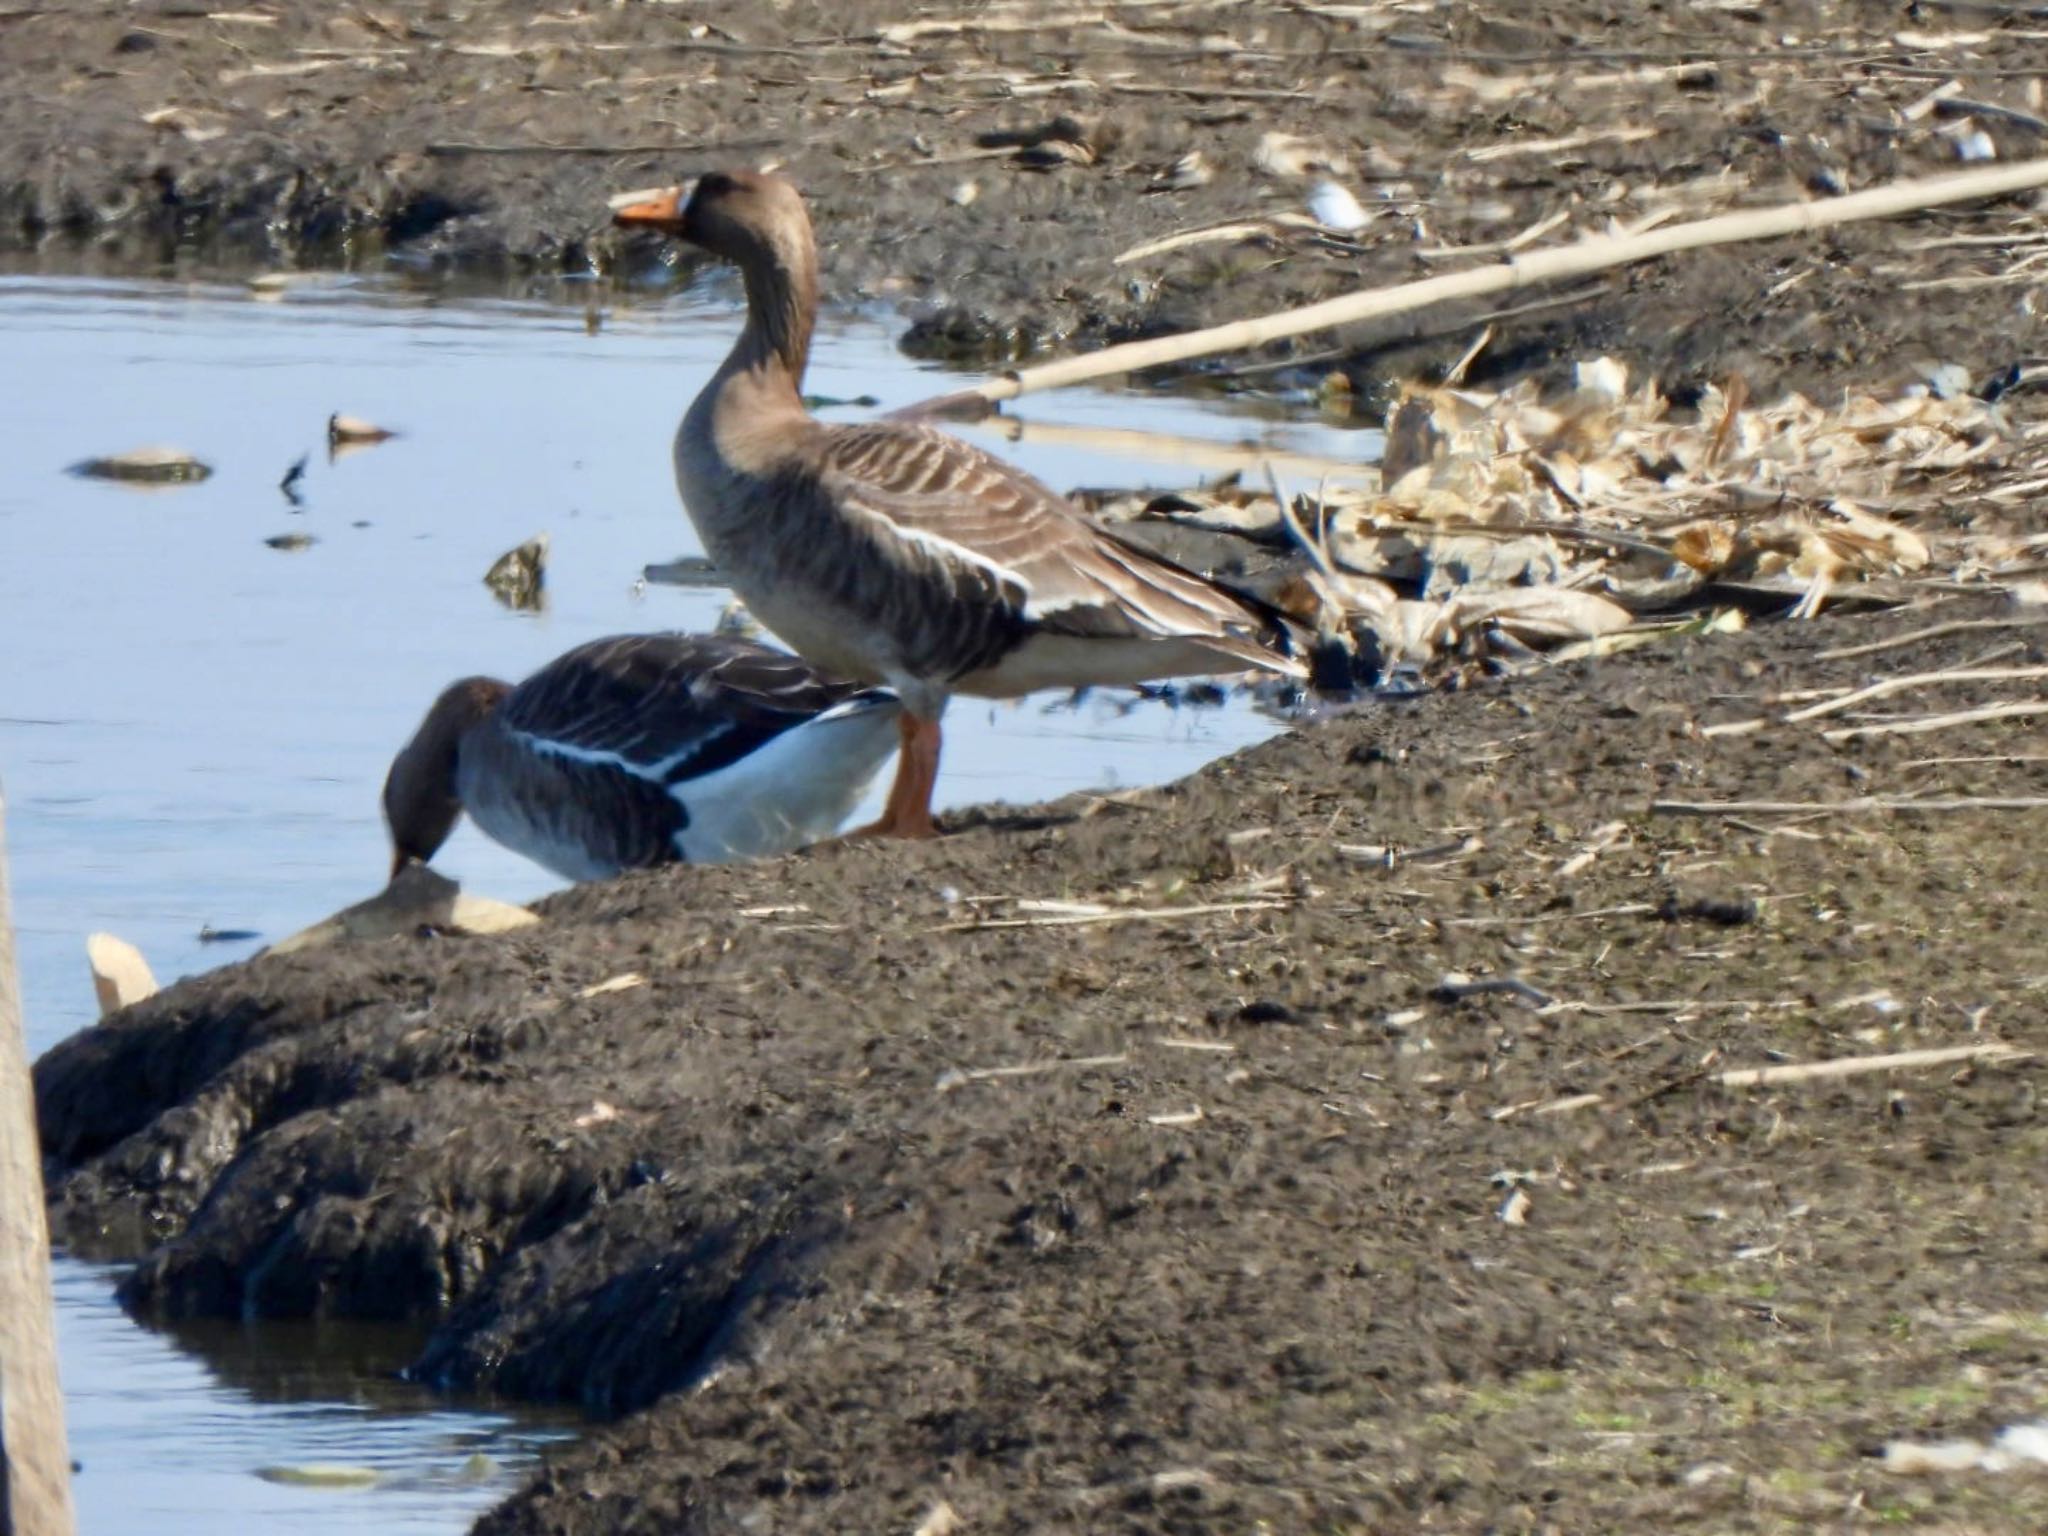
x,y
641,750
893,553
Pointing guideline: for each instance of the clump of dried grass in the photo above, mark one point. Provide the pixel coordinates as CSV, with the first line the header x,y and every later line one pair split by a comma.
x,y
1508,522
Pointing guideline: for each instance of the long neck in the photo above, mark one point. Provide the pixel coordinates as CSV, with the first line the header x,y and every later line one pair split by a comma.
x,y
782,305
421,801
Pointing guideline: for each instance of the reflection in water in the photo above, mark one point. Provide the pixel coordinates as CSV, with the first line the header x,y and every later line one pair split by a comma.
x,y
174,1447
201,686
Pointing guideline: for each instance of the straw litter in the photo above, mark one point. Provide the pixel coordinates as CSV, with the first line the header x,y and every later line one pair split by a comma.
x,y
1508,525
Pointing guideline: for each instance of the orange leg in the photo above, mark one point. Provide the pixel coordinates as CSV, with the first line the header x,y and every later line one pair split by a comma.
x,y
909,809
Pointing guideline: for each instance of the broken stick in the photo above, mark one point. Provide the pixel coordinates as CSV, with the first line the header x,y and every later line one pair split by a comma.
x,y
1599,254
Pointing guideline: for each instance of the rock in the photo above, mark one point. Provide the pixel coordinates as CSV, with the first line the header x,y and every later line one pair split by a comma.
x,y
353,429
145,466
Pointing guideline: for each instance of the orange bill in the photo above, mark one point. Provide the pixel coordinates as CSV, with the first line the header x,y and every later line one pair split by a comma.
x,y
654,208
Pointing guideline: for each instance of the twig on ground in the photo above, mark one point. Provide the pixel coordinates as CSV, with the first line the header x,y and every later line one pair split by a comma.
x,y
1676,1005
1920,724
1907,803
959,1076
1557,146
2003,759
1625,909
1545,1106
452,149
625,982
1388,855
1526,238
1116,915
1790,1072
1243,229
1931,632
1455,374
1890,685
1856,1066
1603,838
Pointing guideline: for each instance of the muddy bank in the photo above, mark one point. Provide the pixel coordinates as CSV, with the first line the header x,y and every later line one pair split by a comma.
x,y
483,134
1227,1199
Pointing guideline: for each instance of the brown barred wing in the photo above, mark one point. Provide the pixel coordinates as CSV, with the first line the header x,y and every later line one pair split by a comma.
x,y
981,554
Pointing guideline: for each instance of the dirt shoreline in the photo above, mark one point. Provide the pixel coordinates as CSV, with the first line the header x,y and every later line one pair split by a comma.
x,y
464,135
1194,1216
1233,1201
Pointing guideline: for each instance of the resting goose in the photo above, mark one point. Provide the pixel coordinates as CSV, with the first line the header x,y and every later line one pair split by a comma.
x,y
641,750
896,554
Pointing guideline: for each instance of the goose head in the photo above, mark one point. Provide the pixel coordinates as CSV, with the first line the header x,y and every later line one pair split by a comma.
x,y
421,799
757,222
748,217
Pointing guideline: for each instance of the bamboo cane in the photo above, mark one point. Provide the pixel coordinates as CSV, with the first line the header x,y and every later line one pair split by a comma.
x,y
35,1464
1598,254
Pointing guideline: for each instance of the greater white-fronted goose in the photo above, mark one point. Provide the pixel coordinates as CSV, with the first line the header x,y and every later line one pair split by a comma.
x,y
641,750
893,553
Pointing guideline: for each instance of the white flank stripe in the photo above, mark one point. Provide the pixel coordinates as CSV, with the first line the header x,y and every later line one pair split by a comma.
x,y
1038,610
655,772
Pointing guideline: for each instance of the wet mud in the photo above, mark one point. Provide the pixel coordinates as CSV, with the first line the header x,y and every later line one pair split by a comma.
x,y
984,176
1355,1157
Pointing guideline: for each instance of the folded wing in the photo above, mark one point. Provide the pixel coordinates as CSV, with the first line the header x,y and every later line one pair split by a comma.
x,y
963,531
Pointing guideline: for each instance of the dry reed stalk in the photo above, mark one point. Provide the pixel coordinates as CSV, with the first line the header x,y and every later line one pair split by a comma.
x,y
1118,915
1931,632
1920,724
1891,685
1599,254
1028,1069
1847,807
1793,1072
1857,1066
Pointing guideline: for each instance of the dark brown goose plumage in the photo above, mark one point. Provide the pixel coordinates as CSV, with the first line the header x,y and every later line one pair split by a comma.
x,y
894,553
640,750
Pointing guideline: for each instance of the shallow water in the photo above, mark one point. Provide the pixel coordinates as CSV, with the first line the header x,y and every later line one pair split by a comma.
x,y
172,1446
194,726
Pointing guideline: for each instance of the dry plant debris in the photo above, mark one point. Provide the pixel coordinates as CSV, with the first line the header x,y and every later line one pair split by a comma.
x,y
1506,524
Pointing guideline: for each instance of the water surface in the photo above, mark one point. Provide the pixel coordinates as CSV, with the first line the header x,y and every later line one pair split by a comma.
x,y
186,1437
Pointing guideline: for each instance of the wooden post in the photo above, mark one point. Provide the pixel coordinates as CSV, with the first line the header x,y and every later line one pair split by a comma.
x,y
35,1462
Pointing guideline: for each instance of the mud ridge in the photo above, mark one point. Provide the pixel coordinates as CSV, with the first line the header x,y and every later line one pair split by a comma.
x,y
1234,1202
